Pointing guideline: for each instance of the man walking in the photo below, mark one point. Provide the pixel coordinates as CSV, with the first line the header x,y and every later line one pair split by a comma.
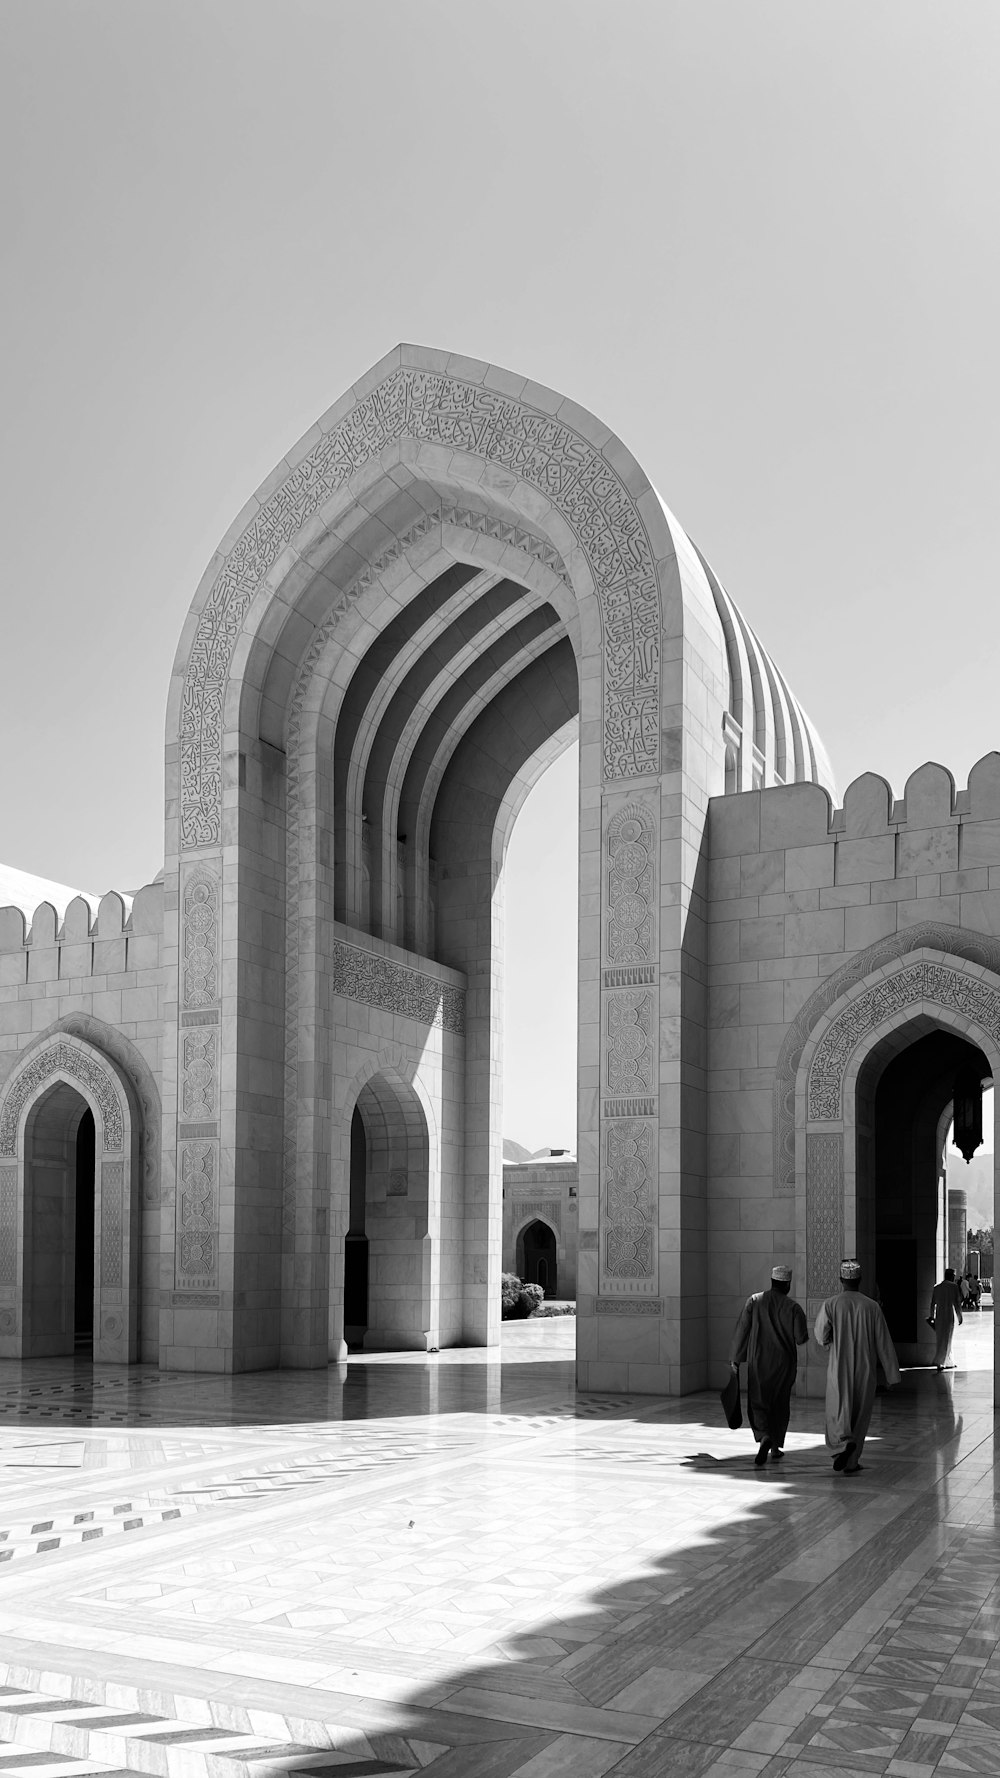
x,y
769,1329
946,1309
855,1329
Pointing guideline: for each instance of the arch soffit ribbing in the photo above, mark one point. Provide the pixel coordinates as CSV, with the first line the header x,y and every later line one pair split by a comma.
x,y
942,944
402,1071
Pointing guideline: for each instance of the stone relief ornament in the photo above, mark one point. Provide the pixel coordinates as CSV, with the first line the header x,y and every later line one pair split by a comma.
x,y
8,1225
631,846
200,938
971,996
973,947
376,980
197,1244
63,1058
509,434
825,1196
629,1057
629,1208
199,1061
112,1206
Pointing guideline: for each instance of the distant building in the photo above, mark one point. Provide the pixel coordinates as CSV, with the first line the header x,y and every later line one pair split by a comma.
x,y
540,1221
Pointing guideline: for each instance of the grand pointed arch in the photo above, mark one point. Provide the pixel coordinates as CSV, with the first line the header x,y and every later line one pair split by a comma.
x,y
453,566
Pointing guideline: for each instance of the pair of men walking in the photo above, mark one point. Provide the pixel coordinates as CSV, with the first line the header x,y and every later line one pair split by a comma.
x,y
769,1329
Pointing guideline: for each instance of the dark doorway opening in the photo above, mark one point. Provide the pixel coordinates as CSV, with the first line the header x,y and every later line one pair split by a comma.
x,y
356,1242
905,1102
83,1236
538,1244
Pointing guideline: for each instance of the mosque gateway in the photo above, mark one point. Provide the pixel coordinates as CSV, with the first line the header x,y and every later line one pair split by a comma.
x,y
254,1110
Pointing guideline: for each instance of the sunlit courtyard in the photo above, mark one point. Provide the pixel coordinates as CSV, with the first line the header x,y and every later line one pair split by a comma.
x,y
453,1565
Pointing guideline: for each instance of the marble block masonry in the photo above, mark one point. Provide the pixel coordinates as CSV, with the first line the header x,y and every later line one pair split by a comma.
x,y
260,1100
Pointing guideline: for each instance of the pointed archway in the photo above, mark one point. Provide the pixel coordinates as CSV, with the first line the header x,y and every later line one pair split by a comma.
x,y
853,1041
43,1104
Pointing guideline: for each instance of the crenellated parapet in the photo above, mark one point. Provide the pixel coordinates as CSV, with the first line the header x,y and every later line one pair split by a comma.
x,y
932,827
106,936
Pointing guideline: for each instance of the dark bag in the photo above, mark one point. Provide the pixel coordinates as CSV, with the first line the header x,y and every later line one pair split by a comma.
x,y
730,1399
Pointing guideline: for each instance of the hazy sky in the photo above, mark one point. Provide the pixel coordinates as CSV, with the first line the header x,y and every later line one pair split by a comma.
x,y
760,241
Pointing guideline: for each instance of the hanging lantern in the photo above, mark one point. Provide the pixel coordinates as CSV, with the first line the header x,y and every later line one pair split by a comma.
x,y
968,1112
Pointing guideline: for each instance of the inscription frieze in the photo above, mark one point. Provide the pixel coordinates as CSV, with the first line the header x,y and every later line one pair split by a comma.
x,y
379,981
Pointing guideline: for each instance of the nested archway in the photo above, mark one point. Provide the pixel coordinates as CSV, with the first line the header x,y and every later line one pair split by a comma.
x,y
452,569
903,1030
61,1082
394,1203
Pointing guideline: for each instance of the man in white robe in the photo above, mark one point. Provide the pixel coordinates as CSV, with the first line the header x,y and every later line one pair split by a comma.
x,y
946,1310
855,1329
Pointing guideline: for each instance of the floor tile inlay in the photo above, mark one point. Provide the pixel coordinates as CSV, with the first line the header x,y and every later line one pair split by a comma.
x,y
451,1564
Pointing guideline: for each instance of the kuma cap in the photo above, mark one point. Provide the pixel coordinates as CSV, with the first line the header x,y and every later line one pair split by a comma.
x,y
849,1270
781,1274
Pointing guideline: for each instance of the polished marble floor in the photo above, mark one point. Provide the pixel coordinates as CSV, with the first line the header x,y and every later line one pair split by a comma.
x,y
455,1566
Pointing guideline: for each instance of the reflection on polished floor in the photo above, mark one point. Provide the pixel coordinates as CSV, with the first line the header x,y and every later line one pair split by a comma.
x,y
450,1566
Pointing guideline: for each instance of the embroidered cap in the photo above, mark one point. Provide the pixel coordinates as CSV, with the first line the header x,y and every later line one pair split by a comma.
x,y
849,1270
781,1274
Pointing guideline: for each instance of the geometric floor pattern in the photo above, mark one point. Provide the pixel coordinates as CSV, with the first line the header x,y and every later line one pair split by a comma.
x,y
453,1566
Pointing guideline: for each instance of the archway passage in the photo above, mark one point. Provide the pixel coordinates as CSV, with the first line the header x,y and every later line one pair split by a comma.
x,y
905,1098
356,1242
59,1234
536,1254
386,1246
83,1238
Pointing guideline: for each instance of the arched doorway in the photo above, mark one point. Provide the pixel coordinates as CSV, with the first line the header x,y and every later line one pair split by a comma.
x,y
905,1099
70,1216
387,1247
872,1096
58,1253
536,1256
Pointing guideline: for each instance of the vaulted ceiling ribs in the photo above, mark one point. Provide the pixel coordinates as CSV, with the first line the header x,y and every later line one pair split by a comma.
x,y
430,676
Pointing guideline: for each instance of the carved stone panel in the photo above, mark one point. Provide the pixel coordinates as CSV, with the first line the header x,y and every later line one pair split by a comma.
x,y
630,887
112,1222
199,1073
628,1205
630,1053
200,937
198,1216
824,1211
8,1226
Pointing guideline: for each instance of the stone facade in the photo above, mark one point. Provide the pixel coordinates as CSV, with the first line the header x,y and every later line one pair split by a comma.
x,y
544,1190
290,1044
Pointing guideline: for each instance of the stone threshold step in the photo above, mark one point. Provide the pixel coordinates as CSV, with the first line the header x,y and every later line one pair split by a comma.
x,y
63,1736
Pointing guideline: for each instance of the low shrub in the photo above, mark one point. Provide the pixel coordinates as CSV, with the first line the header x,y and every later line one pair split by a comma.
x,y
518,1300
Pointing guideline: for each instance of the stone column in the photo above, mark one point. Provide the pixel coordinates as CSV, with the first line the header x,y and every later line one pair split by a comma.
x,y
957,1203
